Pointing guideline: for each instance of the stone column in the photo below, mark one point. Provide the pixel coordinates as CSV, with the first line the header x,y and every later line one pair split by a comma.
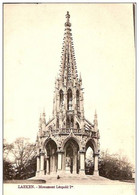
x,y
82,162
42,163
74,99
65,100
54,164
59,166
38,165
96,172
75,164
82,105
47,165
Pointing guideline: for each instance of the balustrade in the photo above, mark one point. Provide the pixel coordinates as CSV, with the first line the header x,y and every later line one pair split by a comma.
x,y
68,130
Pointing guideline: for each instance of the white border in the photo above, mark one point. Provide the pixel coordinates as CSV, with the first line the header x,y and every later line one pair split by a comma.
x,y
1,71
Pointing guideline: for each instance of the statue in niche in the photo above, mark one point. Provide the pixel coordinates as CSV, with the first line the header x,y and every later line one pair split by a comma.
x,y
68,161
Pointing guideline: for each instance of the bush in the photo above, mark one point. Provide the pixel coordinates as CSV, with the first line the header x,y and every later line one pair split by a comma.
x,y
114,167
8,170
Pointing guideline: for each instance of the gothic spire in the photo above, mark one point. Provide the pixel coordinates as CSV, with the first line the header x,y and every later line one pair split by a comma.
x,y
43,117
40,122
95,120
68,69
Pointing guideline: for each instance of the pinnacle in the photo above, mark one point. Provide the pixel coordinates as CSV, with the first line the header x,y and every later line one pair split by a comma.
x,y
68,69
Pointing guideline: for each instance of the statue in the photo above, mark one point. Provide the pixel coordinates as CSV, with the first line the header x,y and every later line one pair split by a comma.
x,y
68,161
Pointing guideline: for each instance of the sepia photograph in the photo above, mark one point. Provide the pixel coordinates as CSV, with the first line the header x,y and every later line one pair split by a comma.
x,y
69,74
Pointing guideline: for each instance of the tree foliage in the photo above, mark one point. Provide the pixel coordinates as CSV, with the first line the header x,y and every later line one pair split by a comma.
x,y
115,167
8,170
23,163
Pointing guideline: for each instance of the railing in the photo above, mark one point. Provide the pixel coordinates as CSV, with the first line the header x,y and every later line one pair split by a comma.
x,y
68,131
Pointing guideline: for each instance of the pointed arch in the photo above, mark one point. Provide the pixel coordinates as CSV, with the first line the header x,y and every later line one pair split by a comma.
x,y
69,99
78,99
92,144
52,158
61,95
68,122
48,140
71,151
71,138
89,161
72,122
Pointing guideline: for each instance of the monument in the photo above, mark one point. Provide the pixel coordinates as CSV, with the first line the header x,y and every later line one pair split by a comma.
x,y
62,142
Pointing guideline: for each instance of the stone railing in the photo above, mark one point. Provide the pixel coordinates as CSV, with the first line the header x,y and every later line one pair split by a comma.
x,y
68,131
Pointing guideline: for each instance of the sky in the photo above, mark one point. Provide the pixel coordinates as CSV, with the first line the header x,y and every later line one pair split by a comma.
x,y
103,37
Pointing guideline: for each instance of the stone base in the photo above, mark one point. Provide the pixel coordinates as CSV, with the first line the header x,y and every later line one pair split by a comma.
x,y
37,173
96,173
60,172
53,173
67,171
42,172
82,172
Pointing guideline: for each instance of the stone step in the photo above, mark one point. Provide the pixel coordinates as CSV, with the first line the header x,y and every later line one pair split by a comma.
x,y
69,178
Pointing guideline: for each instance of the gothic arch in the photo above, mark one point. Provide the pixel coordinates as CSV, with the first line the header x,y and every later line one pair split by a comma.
x,y
61,97
48,140
69,89
78,99
68,122
71,152
50,147
91,143
72,138
69,99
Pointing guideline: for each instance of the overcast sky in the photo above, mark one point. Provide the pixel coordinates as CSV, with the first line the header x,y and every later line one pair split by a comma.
x,y
103,39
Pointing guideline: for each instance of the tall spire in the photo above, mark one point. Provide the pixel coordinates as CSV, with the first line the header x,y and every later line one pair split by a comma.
x,y
68,69
43,117
95,121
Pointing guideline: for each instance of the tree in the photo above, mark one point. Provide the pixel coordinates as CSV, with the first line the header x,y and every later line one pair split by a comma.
x,y
115,167
7,148
8,169
19,159
25,154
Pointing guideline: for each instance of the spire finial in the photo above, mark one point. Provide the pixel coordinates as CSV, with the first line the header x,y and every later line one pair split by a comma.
x,y
43,112
40,121
67,22
67,15
95,120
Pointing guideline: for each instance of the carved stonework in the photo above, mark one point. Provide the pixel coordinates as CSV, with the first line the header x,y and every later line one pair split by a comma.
x,y
64,139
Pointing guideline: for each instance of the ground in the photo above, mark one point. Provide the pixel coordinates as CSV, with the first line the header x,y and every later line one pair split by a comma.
x,y
71,179
69,185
